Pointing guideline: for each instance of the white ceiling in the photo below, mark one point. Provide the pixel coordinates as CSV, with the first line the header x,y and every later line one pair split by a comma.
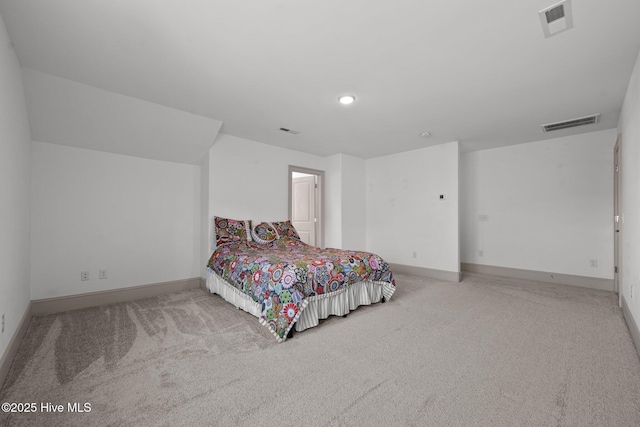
x,y
480,72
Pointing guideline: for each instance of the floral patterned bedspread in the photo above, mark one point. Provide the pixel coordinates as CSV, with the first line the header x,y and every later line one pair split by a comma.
x,y
281,276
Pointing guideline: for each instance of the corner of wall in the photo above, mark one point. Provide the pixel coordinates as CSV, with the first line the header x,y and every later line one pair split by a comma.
x,y
15,184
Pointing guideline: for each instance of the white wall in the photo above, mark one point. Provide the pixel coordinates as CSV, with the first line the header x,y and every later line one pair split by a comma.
x,y
333,202
354,201
250,180
206,238
629,127
549,205
404,213
137,218
14,192
345,216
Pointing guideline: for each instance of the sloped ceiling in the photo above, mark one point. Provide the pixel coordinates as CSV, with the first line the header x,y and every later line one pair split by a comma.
x,y
69,113
481,73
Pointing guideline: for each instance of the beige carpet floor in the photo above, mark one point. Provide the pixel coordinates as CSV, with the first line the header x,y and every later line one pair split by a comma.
x,y
484,352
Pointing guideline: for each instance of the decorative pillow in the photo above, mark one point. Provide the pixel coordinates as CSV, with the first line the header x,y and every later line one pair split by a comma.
x,y
264,233
232,230
285,229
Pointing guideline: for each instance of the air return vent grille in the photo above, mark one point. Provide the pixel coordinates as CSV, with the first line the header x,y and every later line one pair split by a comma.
x,y
554,14
581,121
557,18
292,132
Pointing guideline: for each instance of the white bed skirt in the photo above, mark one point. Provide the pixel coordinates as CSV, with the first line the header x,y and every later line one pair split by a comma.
x,y
318,307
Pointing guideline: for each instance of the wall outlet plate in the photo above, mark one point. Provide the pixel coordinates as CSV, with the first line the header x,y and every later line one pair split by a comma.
x,y
84,275
103,274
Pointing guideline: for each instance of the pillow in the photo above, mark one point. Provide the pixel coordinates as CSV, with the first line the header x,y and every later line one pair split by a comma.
x,y
285,229
264,233
232,230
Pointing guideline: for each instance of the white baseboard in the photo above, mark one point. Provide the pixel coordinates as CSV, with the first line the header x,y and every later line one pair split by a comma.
x,y
540,276
431,273
14,344
74,302
631,324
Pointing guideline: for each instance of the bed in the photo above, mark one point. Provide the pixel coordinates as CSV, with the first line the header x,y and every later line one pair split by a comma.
x,y
269,272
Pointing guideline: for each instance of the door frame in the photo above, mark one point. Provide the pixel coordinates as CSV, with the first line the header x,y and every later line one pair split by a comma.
x,y
319,229
617,218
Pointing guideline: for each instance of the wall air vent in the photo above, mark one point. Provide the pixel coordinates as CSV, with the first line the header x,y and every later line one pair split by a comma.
x,y
557,18
581,121
292,132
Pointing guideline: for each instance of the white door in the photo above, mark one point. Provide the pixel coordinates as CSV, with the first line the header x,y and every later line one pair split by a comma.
x,y
303,208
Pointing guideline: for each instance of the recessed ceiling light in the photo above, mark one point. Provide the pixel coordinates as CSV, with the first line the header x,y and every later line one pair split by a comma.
x,y
346,99
425,134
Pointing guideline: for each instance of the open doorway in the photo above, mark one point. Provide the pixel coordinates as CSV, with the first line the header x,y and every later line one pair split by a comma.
x,y
306,204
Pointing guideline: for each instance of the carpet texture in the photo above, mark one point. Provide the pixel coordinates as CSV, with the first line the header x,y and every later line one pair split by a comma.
x,y
486,351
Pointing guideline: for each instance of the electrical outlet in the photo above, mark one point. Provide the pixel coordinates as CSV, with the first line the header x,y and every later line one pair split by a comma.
x,y
593,263
415,255
103,274
483,217
84,275
480,252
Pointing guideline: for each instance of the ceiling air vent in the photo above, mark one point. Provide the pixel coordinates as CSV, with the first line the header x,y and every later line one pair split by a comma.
x,y
554,14
557,18
292,132
588,120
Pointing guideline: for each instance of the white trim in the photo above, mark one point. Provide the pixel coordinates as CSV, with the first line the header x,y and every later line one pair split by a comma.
x,y
431,273
92,299
631,324
14,344
541,276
